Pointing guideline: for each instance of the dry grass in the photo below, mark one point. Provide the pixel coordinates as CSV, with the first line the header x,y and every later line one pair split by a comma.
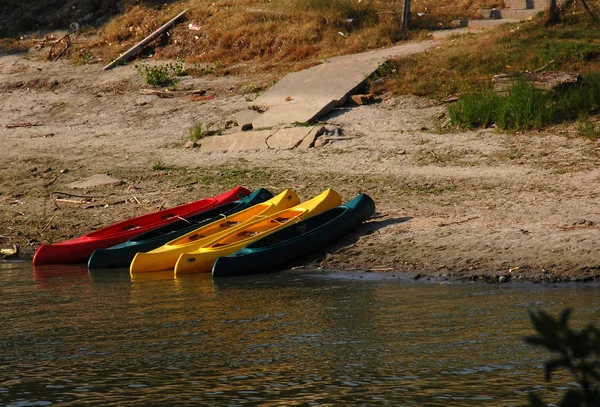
x,y
289,33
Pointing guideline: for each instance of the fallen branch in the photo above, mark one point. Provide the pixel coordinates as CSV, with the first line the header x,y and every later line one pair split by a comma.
x,y
26,124
67,37
441,224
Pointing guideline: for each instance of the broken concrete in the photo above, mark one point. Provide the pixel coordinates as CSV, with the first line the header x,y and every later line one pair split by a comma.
x,y
272,139
255,140
290,138
304,96
95,181
245,117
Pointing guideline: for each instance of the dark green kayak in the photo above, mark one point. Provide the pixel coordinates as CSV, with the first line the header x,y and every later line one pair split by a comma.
x,y
120,256
295,240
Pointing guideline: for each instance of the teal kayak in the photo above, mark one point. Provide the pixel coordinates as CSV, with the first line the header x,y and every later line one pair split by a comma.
x,y
295,240
121,255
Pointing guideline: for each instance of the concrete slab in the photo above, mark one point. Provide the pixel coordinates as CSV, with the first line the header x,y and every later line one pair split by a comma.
x,y
243,141
98,180
310,138
290,138
245,117
306,95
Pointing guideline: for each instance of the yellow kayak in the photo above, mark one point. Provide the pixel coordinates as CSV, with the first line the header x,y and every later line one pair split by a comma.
x,y
165,257
202,259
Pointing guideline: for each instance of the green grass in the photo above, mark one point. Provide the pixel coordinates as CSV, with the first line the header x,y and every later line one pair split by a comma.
x,y
524,107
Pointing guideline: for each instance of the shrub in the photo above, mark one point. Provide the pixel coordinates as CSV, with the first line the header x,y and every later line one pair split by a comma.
x,y
154,75
575,351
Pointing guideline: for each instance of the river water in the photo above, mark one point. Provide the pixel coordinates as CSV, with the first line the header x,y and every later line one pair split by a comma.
x,y
293,338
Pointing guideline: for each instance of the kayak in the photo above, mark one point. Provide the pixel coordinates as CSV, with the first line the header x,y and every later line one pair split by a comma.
x,y
295,240
121,255
202,259
165,257
78,250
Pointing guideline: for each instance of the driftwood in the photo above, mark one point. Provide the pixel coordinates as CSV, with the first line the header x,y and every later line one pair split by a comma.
x,y
160,93
137,48
541,80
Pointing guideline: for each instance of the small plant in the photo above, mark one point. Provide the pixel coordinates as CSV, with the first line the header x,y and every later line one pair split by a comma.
x,y
198,132
576,351
154,75
159,166
178,67
588,130
87,57
201,130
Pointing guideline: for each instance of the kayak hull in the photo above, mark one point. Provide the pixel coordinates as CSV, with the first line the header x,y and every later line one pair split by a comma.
x,y
121,255
295,240
78,250
165,257
202,260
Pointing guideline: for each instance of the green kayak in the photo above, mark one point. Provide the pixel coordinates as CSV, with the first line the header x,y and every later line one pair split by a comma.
x,y
295,240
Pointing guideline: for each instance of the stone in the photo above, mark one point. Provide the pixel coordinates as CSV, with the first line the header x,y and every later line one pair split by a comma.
x,y
320,141
98,180
359,100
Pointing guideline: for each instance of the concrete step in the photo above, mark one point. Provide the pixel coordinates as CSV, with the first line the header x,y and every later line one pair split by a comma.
x,y
484,24
520,4
512,14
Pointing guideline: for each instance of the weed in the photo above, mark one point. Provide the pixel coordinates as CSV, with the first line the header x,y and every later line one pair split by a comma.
x,y
178,67
198,132
159,166
87,57
154,75
202,130
588,130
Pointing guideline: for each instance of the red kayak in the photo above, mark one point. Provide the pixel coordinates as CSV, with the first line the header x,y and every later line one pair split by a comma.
x,y
79,249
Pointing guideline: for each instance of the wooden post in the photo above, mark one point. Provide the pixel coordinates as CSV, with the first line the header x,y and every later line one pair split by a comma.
x,y
553,16
406,15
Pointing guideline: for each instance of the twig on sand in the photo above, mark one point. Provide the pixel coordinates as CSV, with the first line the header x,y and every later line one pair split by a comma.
x,y
51,182
441,224
48,224
25,124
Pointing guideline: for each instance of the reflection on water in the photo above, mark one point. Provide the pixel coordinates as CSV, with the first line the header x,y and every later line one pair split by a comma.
x,y
275,340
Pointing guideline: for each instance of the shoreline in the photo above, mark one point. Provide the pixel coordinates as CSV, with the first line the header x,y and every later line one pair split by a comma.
x,y
477,204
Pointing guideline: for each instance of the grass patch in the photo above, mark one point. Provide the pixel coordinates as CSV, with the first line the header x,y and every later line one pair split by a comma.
x,y
524,107
467,63
588,130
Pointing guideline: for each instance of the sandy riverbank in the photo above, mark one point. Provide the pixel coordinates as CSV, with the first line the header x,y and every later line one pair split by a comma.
x,y
477,204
